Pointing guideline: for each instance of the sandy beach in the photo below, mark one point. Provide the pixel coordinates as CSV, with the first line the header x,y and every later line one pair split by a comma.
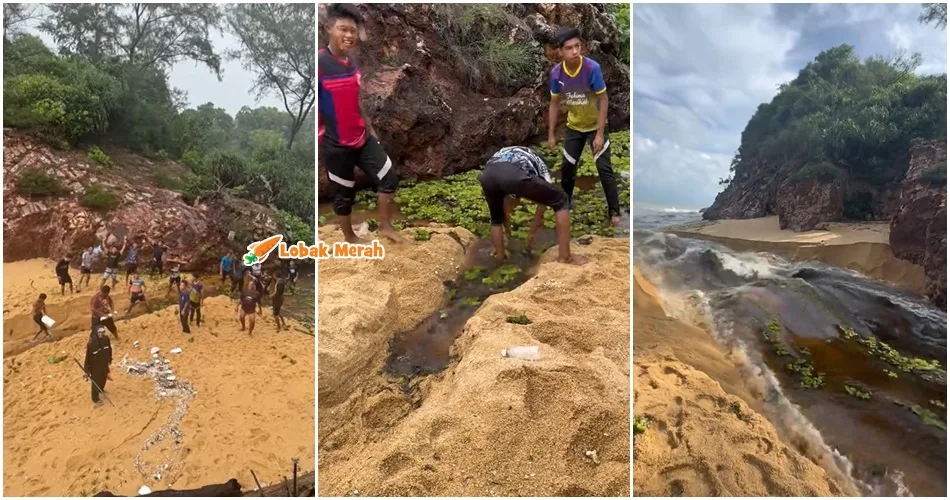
x,y
859,246
252,407
704,434
486,425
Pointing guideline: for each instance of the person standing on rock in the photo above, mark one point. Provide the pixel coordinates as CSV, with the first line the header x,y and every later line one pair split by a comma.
x,y
85,267
98,359
517,172
184,305
346,136
62,274
250,298
39,310
579,83
136,294
158,250
103,309
131,261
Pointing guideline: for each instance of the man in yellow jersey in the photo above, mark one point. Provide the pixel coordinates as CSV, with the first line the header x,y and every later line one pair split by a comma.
x,y
579,82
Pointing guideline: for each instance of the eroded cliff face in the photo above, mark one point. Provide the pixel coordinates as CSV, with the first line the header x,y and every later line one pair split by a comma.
x,y
56,226
919,228
433,120
803,206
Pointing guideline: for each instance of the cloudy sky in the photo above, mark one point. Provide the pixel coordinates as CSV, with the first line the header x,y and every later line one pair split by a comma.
x,y
232,93
700,71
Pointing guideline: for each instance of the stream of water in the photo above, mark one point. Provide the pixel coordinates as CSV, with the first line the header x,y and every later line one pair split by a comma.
x,y
842,362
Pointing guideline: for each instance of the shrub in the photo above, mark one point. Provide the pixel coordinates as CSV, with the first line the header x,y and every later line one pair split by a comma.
x,y
37,183
98,198
168,180
296,229
193,159
161,155
224,169
936,175
821,171
96,155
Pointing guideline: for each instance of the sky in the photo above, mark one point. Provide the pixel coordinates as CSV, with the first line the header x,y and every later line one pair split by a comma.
x,y
700,71
231,93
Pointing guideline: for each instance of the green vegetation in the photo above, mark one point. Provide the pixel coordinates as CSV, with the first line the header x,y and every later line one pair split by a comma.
x,y
846,114
36,183
621,13
472,302
108,83
640,424
96,155
929,417
938,403
890,374
848,332
168,180
857,392
822,171
98,198
422,235
502,275
296,229
808,378
890,355
518,320
474,273
936,175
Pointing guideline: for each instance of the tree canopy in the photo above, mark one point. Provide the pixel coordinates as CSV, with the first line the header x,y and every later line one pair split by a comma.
x,y
108,84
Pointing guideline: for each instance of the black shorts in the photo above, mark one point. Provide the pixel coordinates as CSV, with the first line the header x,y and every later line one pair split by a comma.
x,y
225,274
137,297
504,179
195,305
277,302
131,267
38,319
293,277
64,279
174,281
340,164
85,270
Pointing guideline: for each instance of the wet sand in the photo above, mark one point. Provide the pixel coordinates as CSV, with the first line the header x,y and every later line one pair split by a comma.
x,y
859,246
705,435
254,407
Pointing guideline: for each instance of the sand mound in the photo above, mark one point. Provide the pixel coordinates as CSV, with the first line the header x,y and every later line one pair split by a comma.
x,y
487,425
705,436
254,406
859,246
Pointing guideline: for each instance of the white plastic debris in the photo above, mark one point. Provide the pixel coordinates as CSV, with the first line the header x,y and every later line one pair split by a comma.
x,y
135,344
155,351
144,490
176,350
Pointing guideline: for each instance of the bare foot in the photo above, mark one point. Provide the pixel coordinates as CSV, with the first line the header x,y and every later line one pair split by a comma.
x,y
577,260
615,221
392,235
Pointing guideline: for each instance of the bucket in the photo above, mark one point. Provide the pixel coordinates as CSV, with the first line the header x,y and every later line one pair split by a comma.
x,y
49,322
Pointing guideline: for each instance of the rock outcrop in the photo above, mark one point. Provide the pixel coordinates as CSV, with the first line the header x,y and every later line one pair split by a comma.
x,y
919,228
433,120
751,194
56,226
803,205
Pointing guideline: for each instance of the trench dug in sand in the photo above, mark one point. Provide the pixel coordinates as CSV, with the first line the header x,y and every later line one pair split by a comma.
x,y
486,425
702,432
252,407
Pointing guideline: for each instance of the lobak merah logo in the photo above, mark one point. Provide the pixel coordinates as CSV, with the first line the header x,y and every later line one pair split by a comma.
x,y
258,251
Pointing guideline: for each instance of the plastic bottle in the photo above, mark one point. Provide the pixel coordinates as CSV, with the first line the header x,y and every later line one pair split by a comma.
x,y
528,352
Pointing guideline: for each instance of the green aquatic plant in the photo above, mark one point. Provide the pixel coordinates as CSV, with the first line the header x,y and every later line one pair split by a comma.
x,y
472,302
774,326
848,332
474,273
888,354
808,377
890,374
502,275
640,424
518,320
938,403
929,417
857,392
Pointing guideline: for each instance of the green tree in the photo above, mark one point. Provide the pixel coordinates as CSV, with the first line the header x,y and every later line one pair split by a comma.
x,y
15,15
278,44
934,13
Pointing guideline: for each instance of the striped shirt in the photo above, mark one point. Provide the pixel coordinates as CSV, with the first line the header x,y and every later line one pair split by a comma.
x,y
524,158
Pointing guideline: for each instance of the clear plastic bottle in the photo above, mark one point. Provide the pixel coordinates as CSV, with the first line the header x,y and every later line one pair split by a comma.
x,y
528,352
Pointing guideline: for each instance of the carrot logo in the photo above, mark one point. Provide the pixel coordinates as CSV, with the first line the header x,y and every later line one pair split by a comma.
x,y
258,251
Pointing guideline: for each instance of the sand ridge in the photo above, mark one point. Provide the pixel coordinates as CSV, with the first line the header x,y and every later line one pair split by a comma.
x,y
254,407
489,425
705,435
767,229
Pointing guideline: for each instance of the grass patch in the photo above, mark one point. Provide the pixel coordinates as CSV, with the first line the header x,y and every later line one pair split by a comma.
x,y
929,417
808,378
518,320
502,275
472,302
98,198
36,183
474,273
167,180
641,424
857,392
422,235
99,157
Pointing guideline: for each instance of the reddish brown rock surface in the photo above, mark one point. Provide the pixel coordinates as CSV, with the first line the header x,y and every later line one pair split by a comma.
x,y
433,121
55,226
919,228
802,206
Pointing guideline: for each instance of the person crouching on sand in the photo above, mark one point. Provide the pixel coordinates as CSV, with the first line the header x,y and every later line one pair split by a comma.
x,y
39,310
136,294
517,171
250,298
98,359
102,309
184,305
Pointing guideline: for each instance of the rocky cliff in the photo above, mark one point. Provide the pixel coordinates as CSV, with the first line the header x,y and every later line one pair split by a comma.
x,y
434,117
53,226
919,228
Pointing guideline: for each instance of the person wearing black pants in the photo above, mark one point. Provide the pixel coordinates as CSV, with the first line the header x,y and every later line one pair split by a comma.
x,y
184,305
98,359
101,308
574,142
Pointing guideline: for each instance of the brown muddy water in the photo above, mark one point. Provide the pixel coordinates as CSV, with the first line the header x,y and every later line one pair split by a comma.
x,y
812,336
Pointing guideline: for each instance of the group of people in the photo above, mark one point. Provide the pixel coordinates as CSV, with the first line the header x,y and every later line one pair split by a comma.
x,y
191,296
347,140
